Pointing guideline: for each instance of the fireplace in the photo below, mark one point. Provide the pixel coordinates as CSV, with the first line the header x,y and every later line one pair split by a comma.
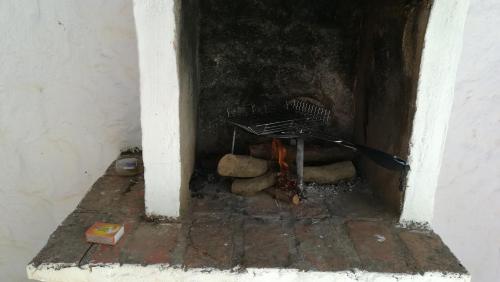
x,y
281,141
351,65
363,63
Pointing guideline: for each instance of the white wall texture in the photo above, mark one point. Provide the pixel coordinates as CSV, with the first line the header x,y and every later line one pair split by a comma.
x,y
467,207
69,101
440,57
155,22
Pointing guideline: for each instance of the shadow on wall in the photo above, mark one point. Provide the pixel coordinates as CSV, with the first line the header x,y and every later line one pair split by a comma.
x,y
70,103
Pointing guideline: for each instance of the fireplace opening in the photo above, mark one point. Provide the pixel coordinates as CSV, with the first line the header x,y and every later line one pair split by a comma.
x,y
304,97
293,112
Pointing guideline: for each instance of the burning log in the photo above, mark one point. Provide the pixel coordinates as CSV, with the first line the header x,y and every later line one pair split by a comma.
x,y
312,154
248,187
282,195
241,166
280,152
329,173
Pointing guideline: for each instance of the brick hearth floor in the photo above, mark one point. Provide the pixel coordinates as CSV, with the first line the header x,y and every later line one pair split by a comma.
x,y
333,230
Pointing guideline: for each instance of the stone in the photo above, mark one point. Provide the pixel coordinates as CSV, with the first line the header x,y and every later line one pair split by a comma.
x,y
241,166
250,186
331,173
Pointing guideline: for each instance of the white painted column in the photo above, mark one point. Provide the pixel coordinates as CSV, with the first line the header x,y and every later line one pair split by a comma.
x,y
155,26
440,57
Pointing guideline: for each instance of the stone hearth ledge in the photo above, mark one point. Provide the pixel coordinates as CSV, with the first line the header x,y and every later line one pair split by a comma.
x,y
245,233
160,272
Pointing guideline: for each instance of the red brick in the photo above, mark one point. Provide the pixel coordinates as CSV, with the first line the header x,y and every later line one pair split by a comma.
x,y
152,244
67,244
263,204
210,243
311,208
265,244
219,242
324,247
211,203
375,254
429,252
106,195
358,204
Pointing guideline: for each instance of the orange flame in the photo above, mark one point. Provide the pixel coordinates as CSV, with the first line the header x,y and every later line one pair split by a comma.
x,y
279,152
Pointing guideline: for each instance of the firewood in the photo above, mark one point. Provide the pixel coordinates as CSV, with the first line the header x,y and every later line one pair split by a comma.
x,y
241,166
282,195
250,186
262,151
313,154
329,173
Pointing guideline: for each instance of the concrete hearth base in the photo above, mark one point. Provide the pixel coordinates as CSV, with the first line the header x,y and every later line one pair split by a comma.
x,y
129,272
338,233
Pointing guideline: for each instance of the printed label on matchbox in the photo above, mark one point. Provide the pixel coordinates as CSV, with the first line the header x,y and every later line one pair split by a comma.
x,y
104,233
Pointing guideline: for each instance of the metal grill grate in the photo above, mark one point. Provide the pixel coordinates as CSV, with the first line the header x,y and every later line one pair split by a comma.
x,y
298,118
293,118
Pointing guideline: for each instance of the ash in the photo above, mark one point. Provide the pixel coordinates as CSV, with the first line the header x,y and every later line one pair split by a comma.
x,y
356,184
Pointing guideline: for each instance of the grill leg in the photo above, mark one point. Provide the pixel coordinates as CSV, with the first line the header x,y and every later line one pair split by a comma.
x,y
234,139
300,163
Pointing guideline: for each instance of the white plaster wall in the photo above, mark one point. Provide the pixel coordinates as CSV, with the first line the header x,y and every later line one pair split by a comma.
x,y
467,211
440,56
160,106
69,101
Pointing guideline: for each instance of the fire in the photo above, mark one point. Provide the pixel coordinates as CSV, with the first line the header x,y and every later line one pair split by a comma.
x,y
286,188
279,151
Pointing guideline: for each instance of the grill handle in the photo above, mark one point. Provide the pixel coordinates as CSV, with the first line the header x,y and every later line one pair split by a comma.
x,y
381,158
